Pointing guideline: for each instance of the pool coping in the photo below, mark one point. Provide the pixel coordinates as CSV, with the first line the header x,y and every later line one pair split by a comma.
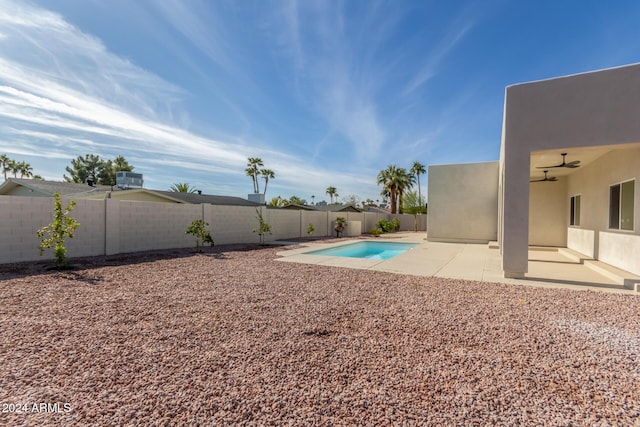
x,y
465,261
397,264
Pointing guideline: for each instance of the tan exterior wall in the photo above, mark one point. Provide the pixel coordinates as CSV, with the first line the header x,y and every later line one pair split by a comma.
x,y
463,202
113,226
585,110
548,213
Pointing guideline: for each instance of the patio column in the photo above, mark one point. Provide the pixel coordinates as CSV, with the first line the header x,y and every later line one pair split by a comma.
x,y
515,212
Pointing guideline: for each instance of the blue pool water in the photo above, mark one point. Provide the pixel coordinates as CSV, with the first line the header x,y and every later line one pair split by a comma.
x,y
370,250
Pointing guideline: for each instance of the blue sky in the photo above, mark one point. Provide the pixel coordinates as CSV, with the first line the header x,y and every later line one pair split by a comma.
x,y
327,93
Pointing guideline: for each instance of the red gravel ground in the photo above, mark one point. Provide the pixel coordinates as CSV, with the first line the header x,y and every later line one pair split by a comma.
x,y
232,336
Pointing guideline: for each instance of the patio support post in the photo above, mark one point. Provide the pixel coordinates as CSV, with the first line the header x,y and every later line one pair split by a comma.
x,y
515,213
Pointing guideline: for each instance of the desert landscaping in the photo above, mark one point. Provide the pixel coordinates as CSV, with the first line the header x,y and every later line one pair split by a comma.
x,y
232,336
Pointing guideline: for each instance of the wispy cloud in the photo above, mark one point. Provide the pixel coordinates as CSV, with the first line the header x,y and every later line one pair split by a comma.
x,y
63,94
437,55
333,70
199,26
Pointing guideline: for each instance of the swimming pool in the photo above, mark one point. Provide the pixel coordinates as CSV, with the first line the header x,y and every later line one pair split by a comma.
x,y
369,250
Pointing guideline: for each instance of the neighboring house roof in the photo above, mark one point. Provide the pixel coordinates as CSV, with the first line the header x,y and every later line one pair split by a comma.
x,y
376,209
196,198
324,208
298,207
40,188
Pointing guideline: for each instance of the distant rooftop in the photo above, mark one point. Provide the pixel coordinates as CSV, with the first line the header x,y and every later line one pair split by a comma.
x,y
41,188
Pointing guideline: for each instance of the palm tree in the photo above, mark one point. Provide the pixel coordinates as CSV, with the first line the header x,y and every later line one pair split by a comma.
x,y
4,163
331,191
404,181
387,178
182,187
25,169
267,174
252,170
395,181
13,168
416,170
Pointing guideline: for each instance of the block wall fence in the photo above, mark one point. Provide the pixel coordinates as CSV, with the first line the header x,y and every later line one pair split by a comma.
x,y
109,227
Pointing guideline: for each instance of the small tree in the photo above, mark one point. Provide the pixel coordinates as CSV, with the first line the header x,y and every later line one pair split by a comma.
x,y
340,224
263,228
54,234
198,228
310,229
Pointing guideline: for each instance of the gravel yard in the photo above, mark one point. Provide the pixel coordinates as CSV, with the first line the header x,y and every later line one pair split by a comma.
x,y
233,337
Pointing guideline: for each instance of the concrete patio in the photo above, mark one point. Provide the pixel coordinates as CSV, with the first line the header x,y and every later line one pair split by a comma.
x,y
548,267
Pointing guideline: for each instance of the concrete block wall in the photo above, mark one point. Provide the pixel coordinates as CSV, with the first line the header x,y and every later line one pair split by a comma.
x,y
21,220
24,216
319,221
285,224
148,225
232,224
111,226
89,238
370,221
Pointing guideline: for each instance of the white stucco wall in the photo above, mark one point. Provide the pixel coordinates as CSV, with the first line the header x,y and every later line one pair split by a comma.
x,y
585,110
463,202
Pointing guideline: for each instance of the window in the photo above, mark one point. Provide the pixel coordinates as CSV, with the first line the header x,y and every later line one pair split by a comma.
x,y
574,219
621,209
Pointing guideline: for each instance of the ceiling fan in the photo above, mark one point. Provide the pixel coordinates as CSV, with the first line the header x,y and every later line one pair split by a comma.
x,y
553,178
572,165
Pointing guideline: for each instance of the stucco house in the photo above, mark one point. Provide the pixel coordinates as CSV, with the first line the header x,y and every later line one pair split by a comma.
x,y
584,131
41,188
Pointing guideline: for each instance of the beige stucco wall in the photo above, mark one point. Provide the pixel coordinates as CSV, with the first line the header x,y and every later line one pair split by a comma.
x,y
463,202
585,110
593,237
548,213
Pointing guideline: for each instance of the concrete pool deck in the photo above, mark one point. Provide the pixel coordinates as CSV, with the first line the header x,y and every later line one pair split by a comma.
x,y
548,267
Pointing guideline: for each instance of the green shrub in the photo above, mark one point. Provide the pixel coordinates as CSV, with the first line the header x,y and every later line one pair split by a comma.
x,y
55,234
264,228
310,229
375,232
388,226
199,230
